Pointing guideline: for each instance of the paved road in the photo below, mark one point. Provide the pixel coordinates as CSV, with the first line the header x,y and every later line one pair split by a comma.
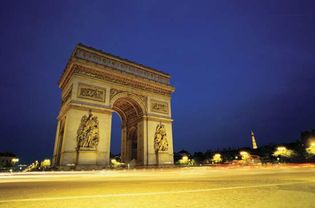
x,y
186,187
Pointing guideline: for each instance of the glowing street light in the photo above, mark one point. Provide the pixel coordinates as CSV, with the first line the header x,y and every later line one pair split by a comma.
x,y
283,151
15,160
114,162
245,155
311,149
185,160
217,158
281,148
45,163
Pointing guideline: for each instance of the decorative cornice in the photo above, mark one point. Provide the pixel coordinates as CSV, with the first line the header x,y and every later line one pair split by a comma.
x,y
83,105
117,78
115,63
158,118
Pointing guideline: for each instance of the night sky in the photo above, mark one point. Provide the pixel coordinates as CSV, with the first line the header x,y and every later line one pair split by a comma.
x,y
237,66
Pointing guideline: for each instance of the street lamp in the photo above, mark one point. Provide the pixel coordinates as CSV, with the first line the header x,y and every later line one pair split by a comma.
x,y
184,160
311,149
217,158
45,163
281,148
15,160
245,155
114,162
283,151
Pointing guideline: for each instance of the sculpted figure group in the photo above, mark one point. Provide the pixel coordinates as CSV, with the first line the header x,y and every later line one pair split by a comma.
x,y
88,132
160,139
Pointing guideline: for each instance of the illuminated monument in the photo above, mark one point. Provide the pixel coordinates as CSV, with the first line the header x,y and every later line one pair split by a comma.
x,y
95,84
254,144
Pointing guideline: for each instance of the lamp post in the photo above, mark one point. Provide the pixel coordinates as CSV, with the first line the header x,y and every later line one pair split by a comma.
x,y
245,155
217,158
311,149
282,152
184,161
15,160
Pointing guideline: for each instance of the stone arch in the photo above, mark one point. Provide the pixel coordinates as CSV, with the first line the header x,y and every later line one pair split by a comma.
x,y
95,84
131,110
141,101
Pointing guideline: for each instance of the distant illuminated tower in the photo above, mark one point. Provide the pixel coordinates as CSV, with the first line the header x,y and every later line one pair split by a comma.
x,y
253,140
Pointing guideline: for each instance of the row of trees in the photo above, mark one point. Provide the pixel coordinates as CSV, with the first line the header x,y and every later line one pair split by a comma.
x,y
300,151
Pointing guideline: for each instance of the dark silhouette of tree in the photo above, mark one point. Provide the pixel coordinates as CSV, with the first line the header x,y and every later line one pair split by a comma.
x,y
306,135
180,154
199,157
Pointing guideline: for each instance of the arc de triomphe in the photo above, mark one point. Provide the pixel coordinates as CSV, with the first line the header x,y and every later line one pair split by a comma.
x,y
95,84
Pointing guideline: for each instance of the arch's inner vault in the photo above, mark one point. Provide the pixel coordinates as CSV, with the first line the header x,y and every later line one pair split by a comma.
x,y
94,85
128,109
130,113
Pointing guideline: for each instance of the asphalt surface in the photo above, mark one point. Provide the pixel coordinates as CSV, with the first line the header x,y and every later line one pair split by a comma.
x,y
182,187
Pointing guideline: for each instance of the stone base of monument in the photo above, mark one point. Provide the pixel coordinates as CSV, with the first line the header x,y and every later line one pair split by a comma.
x,y
89,167
86,158
163,159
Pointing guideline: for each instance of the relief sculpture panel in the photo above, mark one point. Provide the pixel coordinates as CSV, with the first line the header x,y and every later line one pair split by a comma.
x,y
159,107
160,139
88,132
91,92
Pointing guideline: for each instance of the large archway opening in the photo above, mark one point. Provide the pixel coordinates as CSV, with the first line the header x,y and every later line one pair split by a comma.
x,y
130,113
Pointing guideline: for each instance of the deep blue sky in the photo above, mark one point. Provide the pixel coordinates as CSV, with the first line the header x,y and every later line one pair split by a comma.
x,y
236,65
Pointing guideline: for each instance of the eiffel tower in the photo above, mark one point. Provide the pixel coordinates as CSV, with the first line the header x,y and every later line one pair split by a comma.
x,y
253,140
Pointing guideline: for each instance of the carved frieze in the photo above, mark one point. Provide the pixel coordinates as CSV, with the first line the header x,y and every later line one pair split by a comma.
x,y
160,139
88,132
102,60
91,92
84,71
159,107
